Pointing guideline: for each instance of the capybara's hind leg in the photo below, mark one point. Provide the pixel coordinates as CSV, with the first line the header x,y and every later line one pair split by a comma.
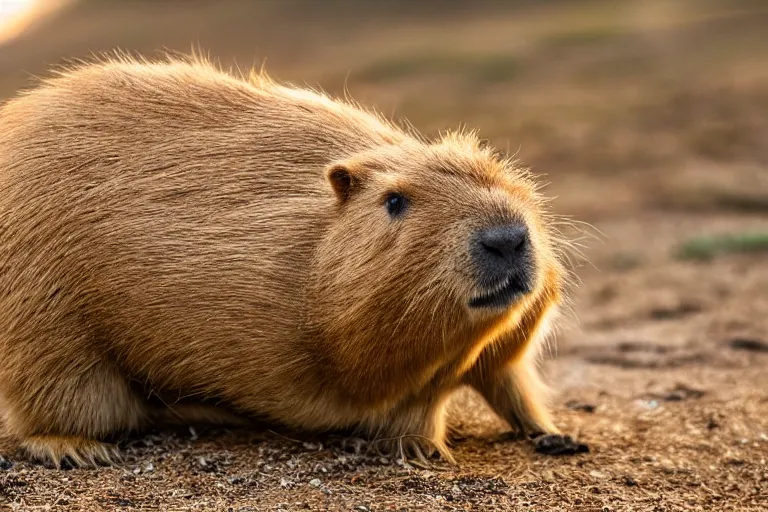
x,y
61,409
69,450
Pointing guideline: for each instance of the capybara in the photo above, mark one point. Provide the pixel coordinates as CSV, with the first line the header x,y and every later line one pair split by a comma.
x,y
178,243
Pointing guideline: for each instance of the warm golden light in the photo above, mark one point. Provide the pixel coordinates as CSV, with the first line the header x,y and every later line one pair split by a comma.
x,y
17,15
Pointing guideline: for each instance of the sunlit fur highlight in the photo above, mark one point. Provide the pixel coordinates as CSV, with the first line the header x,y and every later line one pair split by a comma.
x,y
175,246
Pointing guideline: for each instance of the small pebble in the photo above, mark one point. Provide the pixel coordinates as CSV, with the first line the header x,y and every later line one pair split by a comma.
x,y
597,474
315,482
750,344
647,404
581,406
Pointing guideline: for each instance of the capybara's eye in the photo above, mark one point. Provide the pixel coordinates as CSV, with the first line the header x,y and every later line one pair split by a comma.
x,y
395,204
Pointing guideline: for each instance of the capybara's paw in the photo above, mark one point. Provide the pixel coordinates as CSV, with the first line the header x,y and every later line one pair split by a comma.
x,y
418,451
557,444
66,452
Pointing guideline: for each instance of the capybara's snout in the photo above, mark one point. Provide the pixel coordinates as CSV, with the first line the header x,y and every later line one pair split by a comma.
x,y
503,260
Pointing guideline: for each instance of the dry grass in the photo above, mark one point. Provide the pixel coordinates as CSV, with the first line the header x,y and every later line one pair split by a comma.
x,y
708,247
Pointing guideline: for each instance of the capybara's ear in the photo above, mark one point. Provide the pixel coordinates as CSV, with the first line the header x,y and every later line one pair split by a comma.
x,y
344,179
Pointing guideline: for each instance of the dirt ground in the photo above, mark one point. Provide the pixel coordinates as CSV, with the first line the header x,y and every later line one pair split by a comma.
x,y
650,121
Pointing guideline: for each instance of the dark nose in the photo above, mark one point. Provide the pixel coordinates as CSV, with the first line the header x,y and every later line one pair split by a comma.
x,y
504,245
503,259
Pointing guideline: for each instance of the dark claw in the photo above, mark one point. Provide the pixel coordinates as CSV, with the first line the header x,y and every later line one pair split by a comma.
x,y
556,444
67,463
5,464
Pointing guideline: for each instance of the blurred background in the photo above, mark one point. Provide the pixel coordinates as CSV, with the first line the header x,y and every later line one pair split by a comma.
x,y
659,102
649,119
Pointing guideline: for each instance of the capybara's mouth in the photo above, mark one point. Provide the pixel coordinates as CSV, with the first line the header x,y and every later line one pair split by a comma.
x,y
503,294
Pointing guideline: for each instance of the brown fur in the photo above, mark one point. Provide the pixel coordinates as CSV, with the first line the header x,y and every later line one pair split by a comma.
x,y
170,230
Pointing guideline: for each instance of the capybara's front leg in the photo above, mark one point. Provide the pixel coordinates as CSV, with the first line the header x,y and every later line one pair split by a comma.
x,y
517,394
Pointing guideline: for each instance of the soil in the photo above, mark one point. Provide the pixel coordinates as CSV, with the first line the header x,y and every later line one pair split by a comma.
x,y
650,121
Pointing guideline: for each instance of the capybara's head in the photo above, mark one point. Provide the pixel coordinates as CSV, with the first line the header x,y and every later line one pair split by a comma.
x,y
432,246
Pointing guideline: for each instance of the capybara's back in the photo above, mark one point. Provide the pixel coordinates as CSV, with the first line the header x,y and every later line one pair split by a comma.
x,y
178,243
